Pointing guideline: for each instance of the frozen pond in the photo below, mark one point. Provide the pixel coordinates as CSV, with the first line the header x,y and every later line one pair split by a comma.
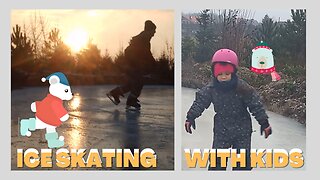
x,y
96,123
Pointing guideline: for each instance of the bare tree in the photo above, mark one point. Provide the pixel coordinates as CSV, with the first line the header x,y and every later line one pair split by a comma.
x,y
38,32
235,30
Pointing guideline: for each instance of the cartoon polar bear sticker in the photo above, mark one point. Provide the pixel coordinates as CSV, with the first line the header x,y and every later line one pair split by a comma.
x,y
263,62
49,112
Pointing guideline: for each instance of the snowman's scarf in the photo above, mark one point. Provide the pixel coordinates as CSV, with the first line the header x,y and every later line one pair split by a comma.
x,y
272,71
263,71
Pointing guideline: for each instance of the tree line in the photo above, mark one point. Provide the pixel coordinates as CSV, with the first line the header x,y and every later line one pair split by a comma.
x,y
210,30
32,58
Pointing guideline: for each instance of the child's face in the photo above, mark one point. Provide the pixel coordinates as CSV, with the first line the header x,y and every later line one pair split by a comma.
x,y
225,76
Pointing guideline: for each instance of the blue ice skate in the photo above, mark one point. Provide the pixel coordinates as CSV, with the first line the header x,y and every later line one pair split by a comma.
x,y
27,125
54,141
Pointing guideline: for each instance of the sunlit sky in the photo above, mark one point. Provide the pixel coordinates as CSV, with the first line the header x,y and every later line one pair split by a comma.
x,y
108,29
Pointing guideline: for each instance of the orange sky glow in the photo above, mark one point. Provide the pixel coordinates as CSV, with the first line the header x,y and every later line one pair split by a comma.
x,y
108,29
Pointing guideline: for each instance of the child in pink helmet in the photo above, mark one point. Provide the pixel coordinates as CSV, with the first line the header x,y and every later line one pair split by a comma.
x,y
231,97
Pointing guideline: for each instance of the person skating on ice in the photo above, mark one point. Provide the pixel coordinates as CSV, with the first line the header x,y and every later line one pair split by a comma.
x,y
139,62
231,98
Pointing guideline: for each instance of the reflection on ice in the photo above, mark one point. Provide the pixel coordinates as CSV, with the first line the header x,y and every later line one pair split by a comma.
x,y
76,133
75,139
75,102
75,122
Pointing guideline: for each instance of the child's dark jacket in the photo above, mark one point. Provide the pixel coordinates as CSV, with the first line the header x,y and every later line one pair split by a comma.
x,y
231,107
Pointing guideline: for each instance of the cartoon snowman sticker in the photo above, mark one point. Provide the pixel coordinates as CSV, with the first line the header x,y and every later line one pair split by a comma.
x,y
262,61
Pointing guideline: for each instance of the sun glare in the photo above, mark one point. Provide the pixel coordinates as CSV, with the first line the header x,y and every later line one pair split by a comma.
x,y
92,13
77,39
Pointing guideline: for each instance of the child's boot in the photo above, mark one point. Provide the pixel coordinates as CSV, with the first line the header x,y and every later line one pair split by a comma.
x,y
54,141
27,125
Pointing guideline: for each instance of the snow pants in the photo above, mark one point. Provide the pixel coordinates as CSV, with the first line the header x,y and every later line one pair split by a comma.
x,y
225,140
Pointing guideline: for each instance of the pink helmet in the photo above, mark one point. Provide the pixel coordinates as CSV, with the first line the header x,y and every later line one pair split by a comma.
x,y
225,55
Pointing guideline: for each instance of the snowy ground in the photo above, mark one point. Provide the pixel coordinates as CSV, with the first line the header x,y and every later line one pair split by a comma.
x,y
287,133
96,123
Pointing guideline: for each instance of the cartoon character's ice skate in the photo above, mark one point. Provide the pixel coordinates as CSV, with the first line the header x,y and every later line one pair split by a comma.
x,y
49,112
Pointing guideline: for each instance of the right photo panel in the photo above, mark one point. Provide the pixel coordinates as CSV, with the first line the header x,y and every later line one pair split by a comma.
x,y
243,89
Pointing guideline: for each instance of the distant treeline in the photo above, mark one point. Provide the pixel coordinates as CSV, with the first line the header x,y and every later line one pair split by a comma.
x,y
32,60
209,30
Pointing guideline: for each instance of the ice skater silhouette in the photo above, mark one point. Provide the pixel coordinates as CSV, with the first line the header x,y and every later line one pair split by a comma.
x,y
139,62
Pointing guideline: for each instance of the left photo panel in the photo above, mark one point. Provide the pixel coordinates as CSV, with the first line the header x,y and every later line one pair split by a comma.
x,y
92,89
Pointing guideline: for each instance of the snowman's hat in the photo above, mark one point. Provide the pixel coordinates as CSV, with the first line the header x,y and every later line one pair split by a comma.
x,y
262,44
61,76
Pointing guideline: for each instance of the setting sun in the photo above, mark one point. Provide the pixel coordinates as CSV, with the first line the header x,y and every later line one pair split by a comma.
x,y
77,39
109,29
